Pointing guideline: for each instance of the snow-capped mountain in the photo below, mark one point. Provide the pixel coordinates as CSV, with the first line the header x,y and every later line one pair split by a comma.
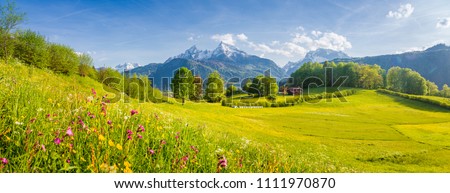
x,y
223,51
319,55
126,66
228,60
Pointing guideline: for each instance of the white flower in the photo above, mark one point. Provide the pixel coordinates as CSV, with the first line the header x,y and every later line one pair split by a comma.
x,y
18,123
90,98
40,109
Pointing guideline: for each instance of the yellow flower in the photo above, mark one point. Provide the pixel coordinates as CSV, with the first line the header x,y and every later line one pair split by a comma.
x,y
127,164
82,159
119,147
159,128
59,105
127,170
49,100
111,143
101,137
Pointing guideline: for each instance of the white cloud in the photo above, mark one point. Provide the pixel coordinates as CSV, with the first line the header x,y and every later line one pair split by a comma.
x,y
300,28
190,38
328,40
242,37
316,33
443,23
297,47
404,11
225,38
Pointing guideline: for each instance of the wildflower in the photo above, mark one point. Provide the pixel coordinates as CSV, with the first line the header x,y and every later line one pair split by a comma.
x,y
43,147
111,143
109,122
163,142
40,109
141,128
57,141
133,112
119,147
68,161
93,91
127,164
194,149
151,151
33,120
49,100
4,161
90,98
185,158
222,162
69,131
101,137
129,132
18,123
92,116
47,116
139,136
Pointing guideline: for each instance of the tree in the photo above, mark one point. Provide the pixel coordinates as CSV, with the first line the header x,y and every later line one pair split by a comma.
x,y
10,17
445,92
370,77
197,91
214,87
31,49
432,88
231,90
406,80
182,84
270,88
63,59
86,67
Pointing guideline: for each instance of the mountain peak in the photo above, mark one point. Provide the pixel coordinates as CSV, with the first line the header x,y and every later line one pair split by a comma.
x,y
437,47
227,50
318,55
126,66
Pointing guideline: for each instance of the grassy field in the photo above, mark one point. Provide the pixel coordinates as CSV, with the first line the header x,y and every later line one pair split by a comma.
x,y
371,132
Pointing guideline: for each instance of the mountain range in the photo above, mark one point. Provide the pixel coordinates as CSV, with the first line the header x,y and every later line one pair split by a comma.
x,y
228,60
432,63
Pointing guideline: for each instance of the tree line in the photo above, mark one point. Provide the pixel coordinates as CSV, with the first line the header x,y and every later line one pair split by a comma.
x,y
366,76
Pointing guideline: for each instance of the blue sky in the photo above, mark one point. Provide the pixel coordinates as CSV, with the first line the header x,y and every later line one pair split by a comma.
x,y
115,32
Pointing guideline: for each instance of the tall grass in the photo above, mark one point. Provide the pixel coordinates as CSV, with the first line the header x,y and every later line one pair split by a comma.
x,y
58,123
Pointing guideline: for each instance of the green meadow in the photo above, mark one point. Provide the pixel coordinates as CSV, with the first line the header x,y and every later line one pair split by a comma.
x,y
370,132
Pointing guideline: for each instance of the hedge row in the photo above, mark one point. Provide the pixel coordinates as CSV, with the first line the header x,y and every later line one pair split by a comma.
x,y
416,98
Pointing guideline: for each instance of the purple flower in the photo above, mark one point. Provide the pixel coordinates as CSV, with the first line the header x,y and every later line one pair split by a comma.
x,y
141,128
4,161
133,112
222,162
109,122
69,131
57,141
68,161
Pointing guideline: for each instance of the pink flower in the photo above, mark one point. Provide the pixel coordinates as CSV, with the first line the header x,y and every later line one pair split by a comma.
x,y
139,136
133,112
43,147
57,141
4,161
194,149
151,151
93,91
222,162
69,131
129,137
163,142
68,161
129,132
141,128
109,122
185,158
